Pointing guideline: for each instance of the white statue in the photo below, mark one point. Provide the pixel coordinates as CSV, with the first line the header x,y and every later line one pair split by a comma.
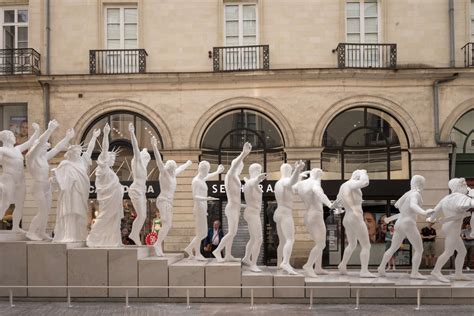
x,y
106,232
200,199
253,201
350,195
72,179
283,215
232,209
12,180
164,203
405,227
454,207
37,160
137,191
312,194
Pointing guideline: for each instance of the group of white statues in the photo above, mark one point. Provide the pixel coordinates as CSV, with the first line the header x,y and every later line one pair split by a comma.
x,y
71,179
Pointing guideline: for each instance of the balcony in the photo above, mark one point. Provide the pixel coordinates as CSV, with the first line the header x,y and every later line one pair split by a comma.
x,y
117,61
19,61
356,55
468,51
241,58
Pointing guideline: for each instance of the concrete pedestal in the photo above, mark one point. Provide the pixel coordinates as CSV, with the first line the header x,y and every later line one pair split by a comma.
x,y
187,273
8,235
379,292
47,266
440,290
123,269
328,280
13,267
281,278
264,278
153,271
223,274
88,267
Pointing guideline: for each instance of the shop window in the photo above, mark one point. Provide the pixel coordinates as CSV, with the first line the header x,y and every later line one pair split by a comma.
x,y
14,27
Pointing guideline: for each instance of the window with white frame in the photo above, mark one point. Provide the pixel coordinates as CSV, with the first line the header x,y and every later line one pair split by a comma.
x,y
14,27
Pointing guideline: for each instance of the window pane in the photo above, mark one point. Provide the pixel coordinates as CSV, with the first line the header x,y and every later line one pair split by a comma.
x,y
231,12
131,31
22,45
250,28
472,7
371,25
353,9
113,31
131,44
232,40
472,27
113,44
249,12
9,36
353,25
370,9
22,34
113,15
22,15
130,15
371,38
232,28
353,38
9,16
250,40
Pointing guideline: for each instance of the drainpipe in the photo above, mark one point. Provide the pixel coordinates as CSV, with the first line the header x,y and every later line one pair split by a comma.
x,y
438,140
452,61
47,115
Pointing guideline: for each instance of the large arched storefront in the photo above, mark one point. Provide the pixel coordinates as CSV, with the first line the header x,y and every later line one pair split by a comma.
x,y
120,140
463,135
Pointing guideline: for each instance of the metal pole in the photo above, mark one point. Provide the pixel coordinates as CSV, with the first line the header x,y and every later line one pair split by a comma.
x,y
187,298
126,299
311,298
11,299
418,299
69,298
357,298
251,299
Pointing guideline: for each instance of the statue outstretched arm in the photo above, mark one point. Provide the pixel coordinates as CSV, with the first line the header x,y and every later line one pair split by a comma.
x,y
322,196
416,207
61,145
136,149
240,158
104,154
91,145
159,161
26,145
220,169
299,165
43,139
183,167
205,198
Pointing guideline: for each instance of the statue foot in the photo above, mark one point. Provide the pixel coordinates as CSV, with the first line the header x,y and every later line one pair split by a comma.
x,y
34,237
189,252
439,277
246,261
254,268
381,271
18,230
289,269
218,256
367,274
46,237
321,271
231,258
342,269
136,240
158,251
200,258
308,271
417,275
461,277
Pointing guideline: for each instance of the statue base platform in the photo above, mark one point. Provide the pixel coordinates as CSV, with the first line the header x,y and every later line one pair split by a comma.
x,y
264,278
13,267
153,271
223,274
281,278
8,235
187,273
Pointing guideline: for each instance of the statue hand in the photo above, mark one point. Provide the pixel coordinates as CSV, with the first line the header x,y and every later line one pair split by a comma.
x,y
131,128
53,124
262,177
70,133
154,141
299,165
35,126
471,193
220,169
96,133
106,129
247,148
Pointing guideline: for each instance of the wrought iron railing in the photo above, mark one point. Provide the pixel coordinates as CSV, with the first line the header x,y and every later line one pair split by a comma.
x,y
468,51
19,61
237,58
117,61
356,55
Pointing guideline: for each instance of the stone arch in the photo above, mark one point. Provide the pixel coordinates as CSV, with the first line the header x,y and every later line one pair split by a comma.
x,y
242,102
384,104
128,105
454,116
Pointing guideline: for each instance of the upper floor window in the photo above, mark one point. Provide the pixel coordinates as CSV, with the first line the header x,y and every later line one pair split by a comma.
x,y
362,21
14,27
240,26
472,20
121,27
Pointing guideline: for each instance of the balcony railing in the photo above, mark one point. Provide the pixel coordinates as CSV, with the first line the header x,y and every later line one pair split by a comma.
x,y
356,55
117,61
19,61
468,51
237,58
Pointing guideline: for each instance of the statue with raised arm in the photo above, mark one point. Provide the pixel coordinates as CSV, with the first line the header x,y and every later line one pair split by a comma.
x,y
12,180
313,197
405,227
200,199
253,200
72,180
168,173
350,195
454,208
232,209
37,161
137,191
106,232
283,215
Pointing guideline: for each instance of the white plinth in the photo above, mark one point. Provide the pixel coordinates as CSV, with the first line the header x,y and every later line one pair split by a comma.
x,y
153,271
332,279
281,278
264,278
8,235
47,266
13,267
187,273
223,274
440,290
88,267
123,269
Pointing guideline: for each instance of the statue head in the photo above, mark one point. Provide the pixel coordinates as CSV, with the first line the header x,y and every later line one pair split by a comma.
x,y
254,170
458,185
145,156
285,170
316,173
73,152
7,137
417,182
171,166
203,168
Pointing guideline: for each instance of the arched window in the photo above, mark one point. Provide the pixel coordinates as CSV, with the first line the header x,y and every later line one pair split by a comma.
x,y
365,138
463,133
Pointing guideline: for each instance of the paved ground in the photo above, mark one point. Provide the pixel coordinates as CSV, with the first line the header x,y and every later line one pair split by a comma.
x,y
85,309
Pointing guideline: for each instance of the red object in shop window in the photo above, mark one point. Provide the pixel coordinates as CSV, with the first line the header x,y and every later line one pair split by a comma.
x,y
151,238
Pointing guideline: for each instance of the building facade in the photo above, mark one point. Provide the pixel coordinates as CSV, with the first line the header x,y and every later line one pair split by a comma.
x,y
382,85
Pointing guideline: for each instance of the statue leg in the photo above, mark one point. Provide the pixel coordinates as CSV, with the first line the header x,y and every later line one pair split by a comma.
x,y
20,192
255,227
449,247
201,233
233,227
140,208
351,246
248,247
281,243
364,241
397,240
320,245
308,267
459,261
288,230
37,230
417,243
166,222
